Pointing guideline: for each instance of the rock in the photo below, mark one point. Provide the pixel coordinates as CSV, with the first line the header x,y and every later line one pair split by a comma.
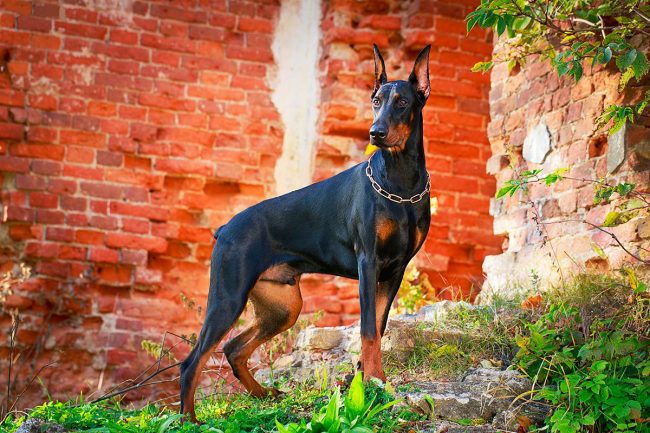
x,y
496,163
486,363
644,229
616,149
508,383
36,425
451,400
314,338
440,310
508,419
487,393
452,427
338,348
537,144
483,393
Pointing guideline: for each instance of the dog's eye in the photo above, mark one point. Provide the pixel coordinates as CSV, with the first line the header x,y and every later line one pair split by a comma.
x,y
402,103
376,102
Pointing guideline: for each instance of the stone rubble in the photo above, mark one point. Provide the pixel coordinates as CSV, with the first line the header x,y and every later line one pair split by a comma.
x,y
36,425
484,393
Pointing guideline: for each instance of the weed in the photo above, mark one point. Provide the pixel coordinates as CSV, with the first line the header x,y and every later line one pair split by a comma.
x,y
354,413
362,406
462,339
415,291
588,356
469,421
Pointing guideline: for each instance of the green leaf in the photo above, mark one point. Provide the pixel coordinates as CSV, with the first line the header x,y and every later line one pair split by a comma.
x,y
378,409
553,177
531,173
640,65
588,420
168,422
521,22
611,219
472,19
624,188
625,61
568,38
640,107
488,19
625,78
562,68
598,250
606,56
482,67
355,401
576,70
599,365
501,26
509,189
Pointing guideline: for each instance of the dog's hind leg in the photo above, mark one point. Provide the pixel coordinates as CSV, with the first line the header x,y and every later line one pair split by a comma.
x,y
229,288
277,307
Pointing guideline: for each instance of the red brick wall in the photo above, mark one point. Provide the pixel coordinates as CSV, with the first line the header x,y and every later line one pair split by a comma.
x,y
520,100
455,121
127,137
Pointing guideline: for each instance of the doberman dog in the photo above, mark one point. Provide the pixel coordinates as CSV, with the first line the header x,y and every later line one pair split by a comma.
x,y
365,223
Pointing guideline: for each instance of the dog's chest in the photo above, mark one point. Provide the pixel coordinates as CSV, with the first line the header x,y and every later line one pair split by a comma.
x,y
401,234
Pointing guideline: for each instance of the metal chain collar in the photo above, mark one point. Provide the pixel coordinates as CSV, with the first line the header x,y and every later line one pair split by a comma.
x,y
394,197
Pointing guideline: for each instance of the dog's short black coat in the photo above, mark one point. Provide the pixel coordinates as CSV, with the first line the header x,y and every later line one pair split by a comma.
x,y
340,226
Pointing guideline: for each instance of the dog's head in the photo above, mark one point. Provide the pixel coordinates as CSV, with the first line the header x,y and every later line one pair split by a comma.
x,y
396,104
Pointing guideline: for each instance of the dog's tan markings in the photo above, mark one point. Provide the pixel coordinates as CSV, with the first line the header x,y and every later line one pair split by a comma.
x,y
371,358
398,136
277,306
385,228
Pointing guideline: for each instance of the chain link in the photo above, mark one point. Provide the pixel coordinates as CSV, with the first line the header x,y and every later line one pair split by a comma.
x,y
394,197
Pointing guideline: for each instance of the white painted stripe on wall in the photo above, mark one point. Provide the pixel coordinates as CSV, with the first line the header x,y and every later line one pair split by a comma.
x,y
296,90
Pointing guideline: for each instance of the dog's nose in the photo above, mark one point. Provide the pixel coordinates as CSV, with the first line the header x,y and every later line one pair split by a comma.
x,y
378,132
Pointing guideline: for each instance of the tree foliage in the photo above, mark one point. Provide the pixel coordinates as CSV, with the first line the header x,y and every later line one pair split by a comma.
x,y
573,35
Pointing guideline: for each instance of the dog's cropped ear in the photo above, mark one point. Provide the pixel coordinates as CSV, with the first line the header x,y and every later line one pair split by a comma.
x,y
380,70
420,75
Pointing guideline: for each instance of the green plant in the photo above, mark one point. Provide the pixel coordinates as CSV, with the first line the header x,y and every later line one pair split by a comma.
x,y
572,35
470,421
594,374
8,283
415,291
353,414
459,340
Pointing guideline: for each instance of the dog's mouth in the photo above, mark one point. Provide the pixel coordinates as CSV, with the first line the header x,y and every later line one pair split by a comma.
x,y
381,142
385,143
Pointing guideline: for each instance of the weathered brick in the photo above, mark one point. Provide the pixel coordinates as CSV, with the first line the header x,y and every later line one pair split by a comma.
x,y
149,243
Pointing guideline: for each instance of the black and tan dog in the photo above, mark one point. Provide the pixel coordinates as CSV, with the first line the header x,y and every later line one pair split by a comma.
x,y
364,223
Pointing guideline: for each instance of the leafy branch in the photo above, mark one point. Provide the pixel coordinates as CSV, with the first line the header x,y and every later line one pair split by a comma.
x,y
572,35
630,201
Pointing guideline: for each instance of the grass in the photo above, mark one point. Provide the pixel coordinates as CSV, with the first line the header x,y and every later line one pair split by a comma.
x,y
232,414
462,339
606,306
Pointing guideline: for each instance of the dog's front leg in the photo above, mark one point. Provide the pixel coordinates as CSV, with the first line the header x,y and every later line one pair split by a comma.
x,y
370,332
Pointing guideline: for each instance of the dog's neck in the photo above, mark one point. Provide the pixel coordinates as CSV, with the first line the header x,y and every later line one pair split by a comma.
x,y
403,172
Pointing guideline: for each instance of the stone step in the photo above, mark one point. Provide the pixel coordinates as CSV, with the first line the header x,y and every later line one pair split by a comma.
x,y
482,393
